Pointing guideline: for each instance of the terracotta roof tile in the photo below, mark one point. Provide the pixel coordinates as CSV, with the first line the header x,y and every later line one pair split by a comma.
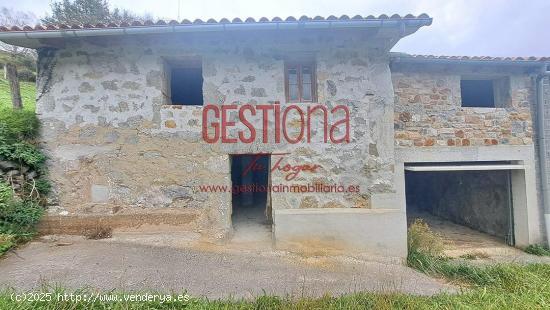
x,y
472,58
248,20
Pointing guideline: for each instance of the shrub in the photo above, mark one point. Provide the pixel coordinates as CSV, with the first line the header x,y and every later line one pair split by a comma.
x,y
23,213
43,186
24,185
17,129
98,232
23,153
6,242
16,126
538,249
421,239
6,193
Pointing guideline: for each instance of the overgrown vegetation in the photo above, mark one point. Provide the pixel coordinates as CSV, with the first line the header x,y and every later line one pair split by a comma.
x,y
537,249
426,255
421,239
23,182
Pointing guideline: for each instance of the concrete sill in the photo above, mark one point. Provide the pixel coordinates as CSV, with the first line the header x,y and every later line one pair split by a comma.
x,y
179,106
335,211
465,168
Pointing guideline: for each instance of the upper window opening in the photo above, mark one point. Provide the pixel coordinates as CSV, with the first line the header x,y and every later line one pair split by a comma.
x,y
186,84
477,93
300,82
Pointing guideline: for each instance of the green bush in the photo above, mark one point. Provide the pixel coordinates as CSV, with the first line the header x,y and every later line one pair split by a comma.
x,y
24,213
43,186
17,131
538,249
15,211
16,126
23,153
6,193
20,208
6,242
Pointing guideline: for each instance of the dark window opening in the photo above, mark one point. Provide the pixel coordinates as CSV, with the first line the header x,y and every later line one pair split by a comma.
x,y
477,93
300,82
186,85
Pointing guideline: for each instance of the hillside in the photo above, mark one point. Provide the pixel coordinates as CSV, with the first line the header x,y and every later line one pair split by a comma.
x,y
28,93
26,65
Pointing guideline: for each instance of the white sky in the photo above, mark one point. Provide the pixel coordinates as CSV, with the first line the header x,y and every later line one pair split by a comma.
x,y
460,27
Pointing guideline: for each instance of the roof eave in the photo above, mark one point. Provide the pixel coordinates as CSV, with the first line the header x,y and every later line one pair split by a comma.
x,y
398,59
32,37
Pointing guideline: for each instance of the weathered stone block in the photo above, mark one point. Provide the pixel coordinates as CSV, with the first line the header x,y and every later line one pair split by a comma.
x,y
100,193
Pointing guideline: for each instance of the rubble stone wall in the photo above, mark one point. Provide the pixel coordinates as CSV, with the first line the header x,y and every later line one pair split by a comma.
x,y
117,146
428,111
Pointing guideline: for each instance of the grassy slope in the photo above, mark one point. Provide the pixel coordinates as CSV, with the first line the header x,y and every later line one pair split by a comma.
x,y
28,93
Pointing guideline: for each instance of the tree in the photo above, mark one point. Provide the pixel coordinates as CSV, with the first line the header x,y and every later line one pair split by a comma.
x,y
88,12
15,53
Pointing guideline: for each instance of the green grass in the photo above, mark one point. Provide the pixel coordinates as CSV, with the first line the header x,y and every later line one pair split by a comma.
x,y
28,94
537,249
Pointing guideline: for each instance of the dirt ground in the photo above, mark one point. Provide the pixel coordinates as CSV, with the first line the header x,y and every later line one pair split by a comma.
x,y
460,241
162,263
246,266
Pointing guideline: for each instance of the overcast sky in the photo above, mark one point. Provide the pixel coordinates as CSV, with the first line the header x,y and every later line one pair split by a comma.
x,y
460,27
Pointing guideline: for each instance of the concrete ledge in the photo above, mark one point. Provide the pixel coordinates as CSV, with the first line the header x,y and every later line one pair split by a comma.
x,y
464,153
378,232
78,224
384,201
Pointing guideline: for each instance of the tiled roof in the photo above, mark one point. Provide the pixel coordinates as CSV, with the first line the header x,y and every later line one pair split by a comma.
x,y
470,58
211,21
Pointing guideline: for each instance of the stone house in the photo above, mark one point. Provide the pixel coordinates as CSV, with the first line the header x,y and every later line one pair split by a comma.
x,y
181,126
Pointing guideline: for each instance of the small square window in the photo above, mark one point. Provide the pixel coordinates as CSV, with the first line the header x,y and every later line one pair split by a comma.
x,y
186,84
300,82
477,93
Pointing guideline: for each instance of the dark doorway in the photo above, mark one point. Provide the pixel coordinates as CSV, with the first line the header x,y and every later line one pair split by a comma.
x,y
448,200
250,198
